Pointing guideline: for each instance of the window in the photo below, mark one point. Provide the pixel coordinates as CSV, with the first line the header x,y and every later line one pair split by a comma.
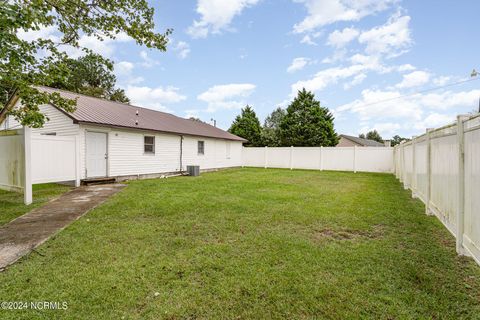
x,y
201,147
228,149
149,144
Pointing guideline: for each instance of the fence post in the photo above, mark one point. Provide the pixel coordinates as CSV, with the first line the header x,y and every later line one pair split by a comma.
x,y
429,173
414,174
354,159
77,162
266,158
291,157
461,185
405,186
27,147
321,158
402,163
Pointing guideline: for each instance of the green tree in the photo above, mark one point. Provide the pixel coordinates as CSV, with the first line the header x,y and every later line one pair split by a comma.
x,y
91,75
372,135
271,128
396,139
247,126
307,123
26,63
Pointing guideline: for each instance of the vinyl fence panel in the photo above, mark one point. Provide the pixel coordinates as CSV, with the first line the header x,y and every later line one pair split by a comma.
x,y
12,162
54,159
444,179
371,159
420,169
472,187
442,168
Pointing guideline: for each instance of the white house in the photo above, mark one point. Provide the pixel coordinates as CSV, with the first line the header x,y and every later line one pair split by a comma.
x,y
124,141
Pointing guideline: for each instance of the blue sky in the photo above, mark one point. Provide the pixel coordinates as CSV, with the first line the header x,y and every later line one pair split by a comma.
x,y
351,54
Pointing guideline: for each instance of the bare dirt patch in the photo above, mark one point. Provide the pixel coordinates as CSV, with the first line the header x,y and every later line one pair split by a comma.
x,y
377,231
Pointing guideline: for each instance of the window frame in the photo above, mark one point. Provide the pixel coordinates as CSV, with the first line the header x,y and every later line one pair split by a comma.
x,y
202,143
145,144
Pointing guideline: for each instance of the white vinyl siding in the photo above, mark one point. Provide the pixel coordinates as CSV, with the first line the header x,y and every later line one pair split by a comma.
x,y
126,152
58,123
215,153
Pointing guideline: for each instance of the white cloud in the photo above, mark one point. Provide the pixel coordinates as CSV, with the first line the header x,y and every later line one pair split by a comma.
x,y
154,98
123,71
441,80
106,47
369,106
182,48
338,55
147,62
415,112
434,120
49,33
385,129
124,67
405,68
298,64
216,15
307,39
340,39
388,38
327,77
356,81
192,113
324,12
361,64
227,96
414,79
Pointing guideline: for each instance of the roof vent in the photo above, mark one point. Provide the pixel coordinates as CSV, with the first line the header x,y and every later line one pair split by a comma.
x,y
137,113
136,122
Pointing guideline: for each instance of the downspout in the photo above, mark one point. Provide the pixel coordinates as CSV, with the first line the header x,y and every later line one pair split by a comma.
x,y
181,153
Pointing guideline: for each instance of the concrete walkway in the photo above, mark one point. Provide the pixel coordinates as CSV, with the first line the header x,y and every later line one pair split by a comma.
x,y
27,232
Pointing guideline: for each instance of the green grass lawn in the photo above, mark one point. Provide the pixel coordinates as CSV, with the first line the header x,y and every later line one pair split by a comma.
x,y
11,203
252,243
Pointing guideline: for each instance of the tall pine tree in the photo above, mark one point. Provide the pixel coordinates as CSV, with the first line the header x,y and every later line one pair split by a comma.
x,y
247,126
271,128
307,123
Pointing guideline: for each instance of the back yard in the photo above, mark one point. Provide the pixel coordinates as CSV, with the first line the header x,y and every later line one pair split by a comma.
x,y
251,243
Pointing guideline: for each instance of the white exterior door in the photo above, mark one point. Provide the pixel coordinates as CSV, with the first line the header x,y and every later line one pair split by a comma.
x,y
96,154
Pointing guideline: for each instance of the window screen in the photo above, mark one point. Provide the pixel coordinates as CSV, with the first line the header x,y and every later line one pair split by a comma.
x,y
149,144
201,147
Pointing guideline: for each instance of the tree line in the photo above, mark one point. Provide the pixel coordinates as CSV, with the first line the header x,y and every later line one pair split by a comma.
x,y
374,135
304,123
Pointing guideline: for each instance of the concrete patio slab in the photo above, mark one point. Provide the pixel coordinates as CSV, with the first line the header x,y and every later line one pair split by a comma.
x,y
22,235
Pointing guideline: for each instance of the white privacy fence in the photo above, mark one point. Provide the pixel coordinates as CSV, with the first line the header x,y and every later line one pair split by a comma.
x,y
368,159
27,159
55,159
12,160
442,168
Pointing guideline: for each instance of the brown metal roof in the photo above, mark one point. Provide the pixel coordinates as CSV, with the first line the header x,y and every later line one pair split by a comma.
x,y
92,110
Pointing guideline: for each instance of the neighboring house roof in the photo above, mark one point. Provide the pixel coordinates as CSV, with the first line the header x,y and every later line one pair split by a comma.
x,y
363,142
99,111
